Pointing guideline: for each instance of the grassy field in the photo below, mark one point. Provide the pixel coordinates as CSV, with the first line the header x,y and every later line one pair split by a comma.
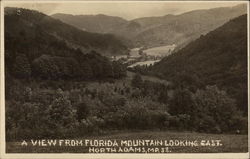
x,y
229,142
135,52
160,51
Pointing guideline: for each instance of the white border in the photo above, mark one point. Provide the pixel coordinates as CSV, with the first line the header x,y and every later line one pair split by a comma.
x,y
5,155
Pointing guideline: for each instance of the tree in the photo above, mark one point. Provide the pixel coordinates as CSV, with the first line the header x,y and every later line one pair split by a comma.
x,y
45,68
216,104
82,111
181,103
137,81
86,70
188,80
26,120
119,70
54,67
107,69
163,96
21,68
62,114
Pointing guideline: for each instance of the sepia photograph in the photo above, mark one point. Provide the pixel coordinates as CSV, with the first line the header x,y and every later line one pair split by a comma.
x,y
124,77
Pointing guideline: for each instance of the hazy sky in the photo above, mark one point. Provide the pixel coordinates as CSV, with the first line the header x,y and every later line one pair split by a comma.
x,y
128,10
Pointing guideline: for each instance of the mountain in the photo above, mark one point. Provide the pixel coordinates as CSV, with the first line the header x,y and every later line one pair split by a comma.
x,y
157,31
218,58
97,24
38,46
31,22
182,29
93,23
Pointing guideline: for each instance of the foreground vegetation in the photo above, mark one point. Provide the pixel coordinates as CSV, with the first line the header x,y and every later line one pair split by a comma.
x,y
52,109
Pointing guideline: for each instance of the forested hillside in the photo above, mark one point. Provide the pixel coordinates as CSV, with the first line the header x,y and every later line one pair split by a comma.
x,y
218,58
182,29
37,46
34,26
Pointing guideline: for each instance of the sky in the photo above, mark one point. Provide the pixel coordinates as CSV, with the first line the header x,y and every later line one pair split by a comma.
x,y
125,9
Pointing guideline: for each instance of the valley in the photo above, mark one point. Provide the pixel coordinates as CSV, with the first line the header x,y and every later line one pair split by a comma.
x,y
144,56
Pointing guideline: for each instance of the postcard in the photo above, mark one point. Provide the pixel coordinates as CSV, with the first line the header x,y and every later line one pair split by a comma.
x,y
124,79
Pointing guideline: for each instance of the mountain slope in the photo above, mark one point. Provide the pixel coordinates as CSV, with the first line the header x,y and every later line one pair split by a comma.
x,y
183,28
94,23
31,21
218,58
98,24
38,46
156,31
